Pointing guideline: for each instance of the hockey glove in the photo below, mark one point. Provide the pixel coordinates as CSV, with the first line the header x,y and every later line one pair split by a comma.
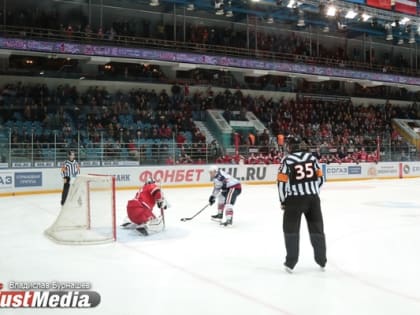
x,y
283,206
212,200
162,204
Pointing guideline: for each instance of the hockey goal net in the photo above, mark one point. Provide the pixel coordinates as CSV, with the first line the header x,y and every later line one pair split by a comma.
x,y
88,215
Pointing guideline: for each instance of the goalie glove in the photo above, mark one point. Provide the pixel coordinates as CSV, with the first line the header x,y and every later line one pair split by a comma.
x,y
162,204
212,200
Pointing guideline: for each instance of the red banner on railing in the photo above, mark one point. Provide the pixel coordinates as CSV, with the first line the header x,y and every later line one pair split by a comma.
x,y
383,4
406,6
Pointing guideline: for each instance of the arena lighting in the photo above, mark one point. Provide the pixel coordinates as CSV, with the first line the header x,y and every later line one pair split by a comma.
x,y
154,3
331,10
404,21
292,4
365,17
351,14
190,7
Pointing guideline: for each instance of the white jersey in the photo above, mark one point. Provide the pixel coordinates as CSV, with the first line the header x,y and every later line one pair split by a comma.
x,y
223,181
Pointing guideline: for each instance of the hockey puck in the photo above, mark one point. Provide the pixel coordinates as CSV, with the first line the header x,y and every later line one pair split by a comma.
x,y
183,219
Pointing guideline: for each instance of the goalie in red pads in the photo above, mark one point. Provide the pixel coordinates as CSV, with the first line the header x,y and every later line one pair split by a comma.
x,y
140,209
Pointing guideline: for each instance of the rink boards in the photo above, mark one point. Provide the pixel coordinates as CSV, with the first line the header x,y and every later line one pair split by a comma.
x,y
16,181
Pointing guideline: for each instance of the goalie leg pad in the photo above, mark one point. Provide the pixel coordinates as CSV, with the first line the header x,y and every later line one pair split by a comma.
x,y
155,225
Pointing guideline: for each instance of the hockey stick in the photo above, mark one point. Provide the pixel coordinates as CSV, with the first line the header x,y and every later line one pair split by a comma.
x,y
162,211
190,218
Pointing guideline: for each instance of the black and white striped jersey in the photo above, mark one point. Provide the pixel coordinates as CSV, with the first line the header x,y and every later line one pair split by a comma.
x,y
299,175
70,169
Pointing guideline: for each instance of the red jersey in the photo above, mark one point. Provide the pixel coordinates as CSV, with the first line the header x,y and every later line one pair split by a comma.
x,y
149,195
363,156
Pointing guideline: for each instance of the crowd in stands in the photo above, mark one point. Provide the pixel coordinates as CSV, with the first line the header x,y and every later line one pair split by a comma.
x,y
74,25
135,122
151,125
336,131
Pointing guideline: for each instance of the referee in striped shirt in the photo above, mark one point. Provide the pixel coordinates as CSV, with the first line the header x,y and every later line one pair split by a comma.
x,y
299,181
69,169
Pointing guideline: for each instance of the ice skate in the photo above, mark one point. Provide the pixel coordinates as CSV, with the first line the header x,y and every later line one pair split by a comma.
x,y
217,217
142,229
228,220
127,224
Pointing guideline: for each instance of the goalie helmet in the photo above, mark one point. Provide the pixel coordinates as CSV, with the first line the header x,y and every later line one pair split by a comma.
x,y
149,180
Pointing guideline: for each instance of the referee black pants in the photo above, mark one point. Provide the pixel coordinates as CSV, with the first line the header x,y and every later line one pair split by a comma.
x,y
310,206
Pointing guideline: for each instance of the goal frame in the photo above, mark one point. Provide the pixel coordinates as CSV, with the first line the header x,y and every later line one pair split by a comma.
x,y
114,220
59,231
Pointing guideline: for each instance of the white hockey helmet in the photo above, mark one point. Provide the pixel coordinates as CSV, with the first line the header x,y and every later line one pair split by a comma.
x,y
213,168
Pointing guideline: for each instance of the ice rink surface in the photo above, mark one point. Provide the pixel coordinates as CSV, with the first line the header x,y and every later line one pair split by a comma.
x,y
200,267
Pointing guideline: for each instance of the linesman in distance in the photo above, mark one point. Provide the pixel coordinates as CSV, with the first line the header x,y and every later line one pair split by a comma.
x,y
70,169
299,181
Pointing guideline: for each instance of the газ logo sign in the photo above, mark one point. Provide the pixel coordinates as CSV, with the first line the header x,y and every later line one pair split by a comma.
x,y
337,170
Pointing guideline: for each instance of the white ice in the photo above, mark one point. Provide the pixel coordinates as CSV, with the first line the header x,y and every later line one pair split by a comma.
x,y
200,267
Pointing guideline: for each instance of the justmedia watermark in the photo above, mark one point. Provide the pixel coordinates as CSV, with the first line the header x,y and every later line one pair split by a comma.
x,y
53,294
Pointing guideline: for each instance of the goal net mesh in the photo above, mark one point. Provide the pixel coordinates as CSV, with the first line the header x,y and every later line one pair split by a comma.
x,y
88,215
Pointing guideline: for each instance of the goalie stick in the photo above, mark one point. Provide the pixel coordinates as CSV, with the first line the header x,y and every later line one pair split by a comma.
x,y
162,211
190,218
